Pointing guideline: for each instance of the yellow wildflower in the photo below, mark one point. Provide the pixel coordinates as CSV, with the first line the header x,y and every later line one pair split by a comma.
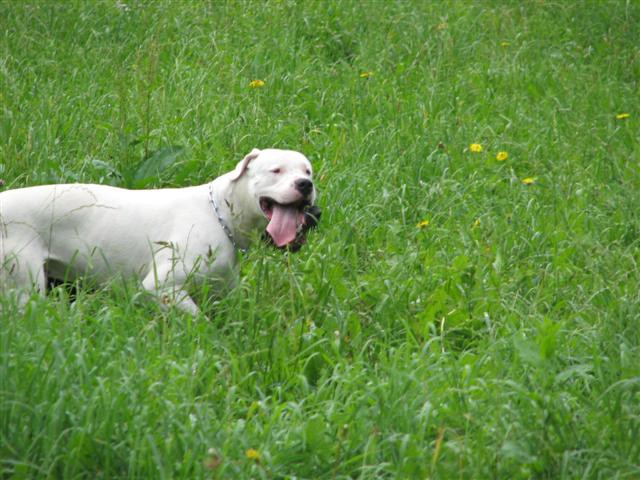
x,y
423,224
366,74
502,156
623,116
256,83
475,147
253,454
504,44
476,224
529,180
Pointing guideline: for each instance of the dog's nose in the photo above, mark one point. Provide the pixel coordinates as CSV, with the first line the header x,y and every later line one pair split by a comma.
x,y
304,186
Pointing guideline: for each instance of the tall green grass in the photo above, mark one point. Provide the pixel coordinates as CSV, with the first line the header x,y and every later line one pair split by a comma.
x,y
446,320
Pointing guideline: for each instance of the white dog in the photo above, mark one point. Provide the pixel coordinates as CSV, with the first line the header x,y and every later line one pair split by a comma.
x,y
164,237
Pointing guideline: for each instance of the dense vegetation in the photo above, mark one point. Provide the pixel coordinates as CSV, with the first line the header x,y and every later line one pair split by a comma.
x,y
458,314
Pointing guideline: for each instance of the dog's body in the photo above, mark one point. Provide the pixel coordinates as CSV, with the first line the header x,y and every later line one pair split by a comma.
x,y
164,237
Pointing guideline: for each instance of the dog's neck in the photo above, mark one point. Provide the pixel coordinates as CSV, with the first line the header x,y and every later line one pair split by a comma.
x,y
238,218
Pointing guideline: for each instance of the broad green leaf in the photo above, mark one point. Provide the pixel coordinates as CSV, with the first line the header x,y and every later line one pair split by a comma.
x,y
149,169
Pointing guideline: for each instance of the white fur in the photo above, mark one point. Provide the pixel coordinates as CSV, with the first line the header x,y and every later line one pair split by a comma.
x,y
163,237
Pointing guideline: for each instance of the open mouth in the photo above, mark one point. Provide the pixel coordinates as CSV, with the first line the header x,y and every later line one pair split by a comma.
x,y
285,221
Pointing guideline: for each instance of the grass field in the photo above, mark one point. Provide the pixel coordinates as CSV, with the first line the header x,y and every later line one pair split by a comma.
x,y
456,315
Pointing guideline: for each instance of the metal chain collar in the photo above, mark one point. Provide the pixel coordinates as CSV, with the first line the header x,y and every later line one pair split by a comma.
x,y
223,224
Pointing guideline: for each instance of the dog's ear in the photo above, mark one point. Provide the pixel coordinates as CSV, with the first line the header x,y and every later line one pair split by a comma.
x,y
243,164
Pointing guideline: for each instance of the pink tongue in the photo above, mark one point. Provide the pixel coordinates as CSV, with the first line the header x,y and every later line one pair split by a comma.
x,y
282,226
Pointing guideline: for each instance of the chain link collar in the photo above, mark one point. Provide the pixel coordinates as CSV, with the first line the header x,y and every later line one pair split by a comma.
x,y
223,224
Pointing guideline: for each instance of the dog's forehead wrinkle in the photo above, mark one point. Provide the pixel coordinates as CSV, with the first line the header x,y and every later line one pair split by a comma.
x,y
273,155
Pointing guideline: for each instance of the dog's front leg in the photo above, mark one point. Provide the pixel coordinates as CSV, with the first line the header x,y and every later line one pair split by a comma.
x,y
180,298
169,294
174,296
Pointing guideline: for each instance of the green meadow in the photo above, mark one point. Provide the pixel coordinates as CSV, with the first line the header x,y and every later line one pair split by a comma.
x,y
469,306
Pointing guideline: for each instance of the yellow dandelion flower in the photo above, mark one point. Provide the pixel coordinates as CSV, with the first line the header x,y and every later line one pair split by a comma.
x,y
366,74
423,224
256,83
253,454
529,180
502,156
623,116
504,44
475,147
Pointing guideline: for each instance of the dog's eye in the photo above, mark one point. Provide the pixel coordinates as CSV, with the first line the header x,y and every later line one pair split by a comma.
x,y
276,170
308,171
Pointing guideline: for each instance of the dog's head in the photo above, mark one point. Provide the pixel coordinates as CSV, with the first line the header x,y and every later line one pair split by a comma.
x,y
281,189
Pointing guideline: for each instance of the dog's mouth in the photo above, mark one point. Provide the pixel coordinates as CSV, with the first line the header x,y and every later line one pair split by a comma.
x,y
286,221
